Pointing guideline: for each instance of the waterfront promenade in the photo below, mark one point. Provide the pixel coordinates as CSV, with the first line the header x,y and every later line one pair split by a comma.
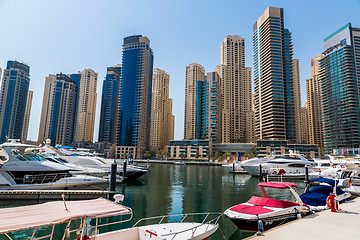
x,y
323,225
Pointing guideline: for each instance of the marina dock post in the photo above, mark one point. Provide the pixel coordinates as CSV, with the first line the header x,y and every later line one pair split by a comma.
x,y
306,174
112,183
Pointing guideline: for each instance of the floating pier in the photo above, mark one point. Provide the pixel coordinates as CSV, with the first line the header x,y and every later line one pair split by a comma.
x,y
52,194
328,225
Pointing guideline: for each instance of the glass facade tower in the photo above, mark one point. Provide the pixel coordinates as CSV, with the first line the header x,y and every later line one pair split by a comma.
x,y
135,94
339,81
13,99
274,93
109,104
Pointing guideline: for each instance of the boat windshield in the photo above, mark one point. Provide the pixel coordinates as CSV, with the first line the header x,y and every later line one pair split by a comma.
x,y
29,157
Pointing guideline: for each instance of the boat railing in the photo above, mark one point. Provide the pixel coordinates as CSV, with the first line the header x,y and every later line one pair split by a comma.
x,y
213,220
44,178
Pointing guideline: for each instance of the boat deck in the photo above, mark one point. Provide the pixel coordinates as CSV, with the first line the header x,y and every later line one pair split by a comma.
x,y
322,225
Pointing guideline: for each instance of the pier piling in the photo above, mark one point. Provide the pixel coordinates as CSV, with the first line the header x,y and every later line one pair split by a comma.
x,y
112,183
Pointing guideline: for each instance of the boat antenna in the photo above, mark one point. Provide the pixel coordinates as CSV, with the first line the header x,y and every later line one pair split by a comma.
x,y
63,198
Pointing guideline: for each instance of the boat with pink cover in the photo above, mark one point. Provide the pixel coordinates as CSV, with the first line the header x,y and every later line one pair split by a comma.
x,y
90,220
267,212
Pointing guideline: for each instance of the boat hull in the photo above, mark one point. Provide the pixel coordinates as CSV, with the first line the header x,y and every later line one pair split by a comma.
x,y
269,222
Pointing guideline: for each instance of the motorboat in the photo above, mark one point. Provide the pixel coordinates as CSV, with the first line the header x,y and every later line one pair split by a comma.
x,y
20,170
92,217
318,190
266,211
291,166
131,171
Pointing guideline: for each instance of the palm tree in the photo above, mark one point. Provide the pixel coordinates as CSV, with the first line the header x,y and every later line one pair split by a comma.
x,y
182,156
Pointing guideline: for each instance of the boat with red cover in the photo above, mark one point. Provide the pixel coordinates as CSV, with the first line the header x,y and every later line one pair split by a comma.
x,y
267,212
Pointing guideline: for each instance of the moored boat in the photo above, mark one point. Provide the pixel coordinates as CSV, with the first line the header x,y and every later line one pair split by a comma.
x,y
92,217
316,197
271,212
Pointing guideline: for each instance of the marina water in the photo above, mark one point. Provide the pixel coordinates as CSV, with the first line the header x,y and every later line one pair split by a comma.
x,y
176,189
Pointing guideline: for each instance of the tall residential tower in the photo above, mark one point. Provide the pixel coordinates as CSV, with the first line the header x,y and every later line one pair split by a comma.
x,y
86,108
236,89
109,105
58,110
133,128
161,129
314,122
274,90
14,94
340,85
195,75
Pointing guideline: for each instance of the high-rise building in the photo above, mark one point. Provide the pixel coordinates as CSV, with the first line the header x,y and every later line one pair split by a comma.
x,y
135,94
58,110
161,129
305,127
314,122
274,90
340,85
27,115
195,75
86,107
297,100
214,105
14,93
236,87
109,105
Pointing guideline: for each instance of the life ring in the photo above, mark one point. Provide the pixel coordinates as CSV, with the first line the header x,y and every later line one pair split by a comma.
x,y
334,166
342,166
328,202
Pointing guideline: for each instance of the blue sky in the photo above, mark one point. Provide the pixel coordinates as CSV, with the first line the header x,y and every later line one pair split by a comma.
x,y
67,36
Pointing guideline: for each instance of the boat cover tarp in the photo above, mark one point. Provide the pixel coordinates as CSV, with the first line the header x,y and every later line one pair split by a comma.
x,y
318,195
331,182
268,202
281,185
20,218
248,209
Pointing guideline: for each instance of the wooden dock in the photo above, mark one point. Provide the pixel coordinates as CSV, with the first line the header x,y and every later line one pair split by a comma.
x,y
322,225
51,194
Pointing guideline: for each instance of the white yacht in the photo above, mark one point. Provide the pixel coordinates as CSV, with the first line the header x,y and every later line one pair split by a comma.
x,y
20,170
238,166
289,166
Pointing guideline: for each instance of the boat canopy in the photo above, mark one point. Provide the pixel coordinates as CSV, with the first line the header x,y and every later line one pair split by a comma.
x,y
329,181
51,213
281,185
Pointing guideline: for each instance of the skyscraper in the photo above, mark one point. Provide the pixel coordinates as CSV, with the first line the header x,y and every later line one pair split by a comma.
x,y
14,93
195,74
161,129
135,94
297,100
236,87
109,105
340,81
58,110
305,126
27,115
274,90
86,108
214,104
314,122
